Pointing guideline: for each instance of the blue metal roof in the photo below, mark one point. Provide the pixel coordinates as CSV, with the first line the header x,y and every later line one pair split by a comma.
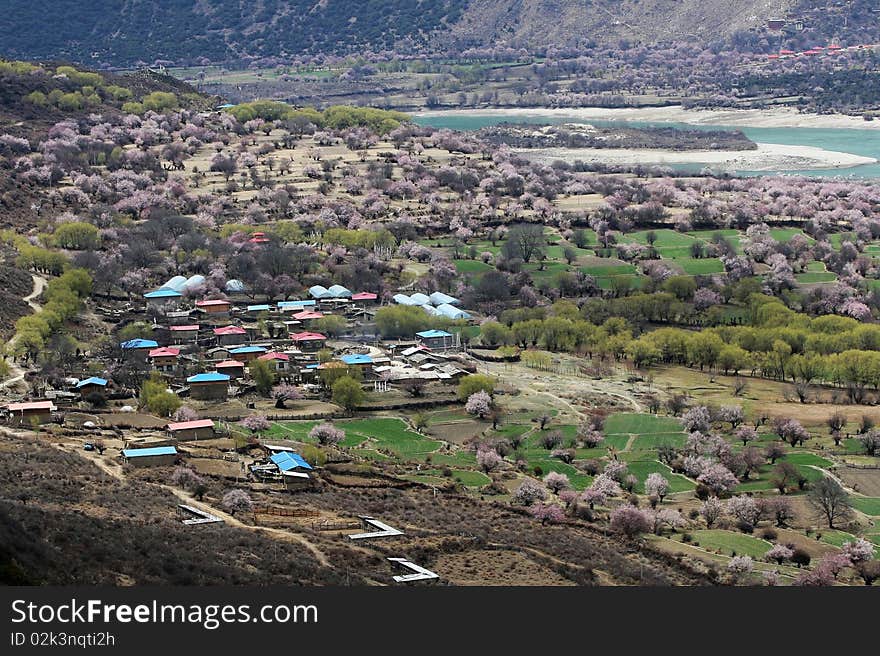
x,y
284,304
139,343
356,358
248,349
287,460
258,308
433,333
163,293
94,380
209,377
152,451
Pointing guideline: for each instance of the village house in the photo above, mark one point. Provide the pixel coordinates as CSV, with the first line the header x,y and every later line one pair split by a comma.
x,y
307,316
228,335
436,339
30,413
246,353
232,368
138,348
164,358
198,429
361,361
364,298
157,456
209,386
214,307
309,341
295,306
93,385
256,311
184,334
280,361
160,298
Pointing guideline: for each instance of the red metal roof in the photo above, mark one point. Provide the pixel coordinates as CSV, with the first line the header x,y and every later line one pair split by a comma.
x,y
274,356
364,296
229,330
31,405
212,302
229,363
194,326
308,314
164,351
196,423
305,337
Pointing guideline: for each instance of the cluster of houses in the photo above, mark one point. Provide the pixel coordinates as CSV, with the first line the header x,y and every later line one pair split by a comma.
x,y
204,348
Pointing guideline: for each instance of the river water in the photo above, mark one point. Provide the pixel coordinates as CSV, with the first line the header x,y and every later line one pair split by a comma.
x,y
847,140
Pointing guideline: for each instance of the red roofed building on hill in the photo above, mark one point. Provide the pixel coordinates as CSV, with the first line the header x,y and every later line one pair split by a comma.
x,y
215,306
182,334
281,360
30,413
229,334
164,358
232,368
198,429
309,341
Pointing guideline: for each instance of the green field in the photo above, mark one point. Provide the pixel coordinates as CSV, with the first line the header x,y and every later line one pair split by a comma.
x,y
814,277
784,234
471,266
731,543
836,538
609,269
867,505
701,267
627,422
642,468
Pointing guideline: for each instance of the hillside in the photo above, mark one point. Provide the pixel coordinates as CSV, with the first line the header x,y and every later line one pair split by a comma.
x,y
35,97
184,31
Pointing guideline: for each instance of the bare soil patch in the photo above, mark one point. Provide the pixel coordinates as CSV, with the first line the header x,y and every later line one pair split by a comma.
x,y
865,481
496,567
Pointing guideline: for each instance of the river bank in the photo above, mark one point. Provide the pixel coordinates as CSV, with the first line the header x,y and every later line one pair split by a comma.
x,y
767,157
779,117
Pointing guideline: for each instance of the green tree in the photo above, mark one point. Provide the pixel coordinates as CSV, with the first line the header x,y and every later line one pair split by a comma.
x,y
476,383
76,235
263,375
331,325
348,393
156,398
494,333
396,321
683,287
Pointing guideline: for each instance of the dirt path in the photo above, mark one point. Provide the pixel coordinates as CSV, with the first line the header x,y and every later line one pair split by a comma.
x,y
16,371
115,470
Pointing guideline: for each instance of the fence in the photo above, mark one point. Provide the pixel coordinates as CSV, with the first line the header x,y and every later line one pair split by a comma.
x,y
285,512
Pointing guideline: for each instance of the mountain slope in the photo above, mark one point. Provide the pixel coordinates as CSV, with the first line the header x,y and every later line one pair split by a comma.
x,y
566,22
126,32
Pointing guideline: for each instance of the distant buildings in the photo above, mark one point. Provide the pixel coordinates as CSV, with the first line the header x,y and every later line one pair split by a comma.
x,y
436,339
209,386
30,413
198,429
157,456
93,385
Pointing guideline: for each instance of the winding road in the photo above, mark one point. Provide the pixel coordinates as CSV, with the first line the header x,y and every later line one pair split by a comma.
x,y
16,371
